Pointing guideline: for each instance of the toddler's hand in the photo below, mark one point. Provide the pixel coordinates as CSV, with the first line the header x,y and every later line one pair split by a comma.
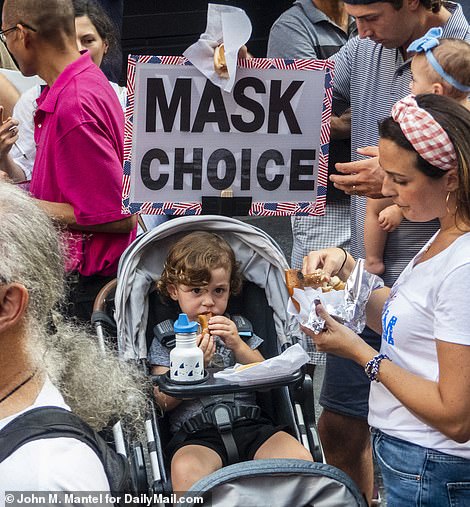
x,y
227,330
390,218
207,345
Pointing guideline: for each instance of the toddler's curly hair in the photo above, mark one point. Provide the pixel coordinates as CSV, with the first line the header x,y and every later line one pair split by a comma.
x,y
192,258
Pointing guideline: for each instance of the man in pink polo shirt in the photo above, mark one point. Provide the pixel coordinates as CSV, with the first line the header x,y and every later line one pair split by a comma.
x,y
79,132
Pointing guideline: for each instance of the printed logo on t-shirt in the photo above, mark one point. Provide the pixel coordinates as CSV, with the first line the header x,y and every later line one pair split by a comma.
x,y
387,326
389,323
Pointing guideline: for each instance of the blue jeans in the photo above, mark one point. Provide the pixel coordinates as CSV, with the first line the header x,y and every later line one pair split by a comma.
x,y
417,476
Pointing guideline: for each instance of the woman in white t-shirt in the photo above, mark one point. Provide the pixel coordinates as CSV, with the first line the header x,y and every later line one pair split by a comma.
x,y
419,405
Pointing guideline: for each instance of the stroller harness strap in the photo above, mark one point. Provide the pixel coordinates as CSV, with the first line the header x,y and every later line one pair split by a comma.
x,y
209,416
165,333
222,416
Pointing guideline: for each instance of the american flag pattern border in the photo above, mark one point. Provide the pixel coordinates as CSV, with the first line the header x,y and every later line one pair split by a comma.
x,y
258,208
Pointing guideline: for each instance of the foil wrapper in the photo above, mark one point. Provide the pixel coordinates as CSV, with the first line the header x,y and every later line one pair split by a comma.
x,y
347,306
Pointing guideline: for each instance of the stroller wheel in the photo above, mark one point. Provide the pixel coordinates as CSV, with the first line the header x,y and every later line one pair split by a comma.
x,y
138,469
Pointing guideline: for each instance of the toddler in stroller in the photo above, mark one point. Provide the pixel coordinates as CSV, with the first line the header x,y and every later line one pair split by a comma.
x,y
200,274
263,299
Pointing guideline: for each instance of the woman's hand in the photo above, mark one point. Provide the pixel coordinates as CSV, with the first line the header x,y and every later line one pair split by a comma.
x,y
207,344
331,260
340,340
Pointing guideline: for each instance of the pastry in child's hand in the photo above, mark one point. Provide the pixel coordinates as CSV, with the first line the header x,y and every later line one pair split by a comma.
x,y
203,319
220,65
246,366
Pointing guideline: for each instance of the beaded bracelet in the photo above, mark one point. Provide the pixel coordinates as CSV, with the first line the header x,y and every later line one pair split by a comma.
x,y
345,258
372,367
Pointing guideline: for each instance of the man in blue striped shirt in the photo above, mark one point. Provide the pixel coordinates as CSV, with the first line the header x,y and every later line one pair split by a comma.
x,y
317,29
372,72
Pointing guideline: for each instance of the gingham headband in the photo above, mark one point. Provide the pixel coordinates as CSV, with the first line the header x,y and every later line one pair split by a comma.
x,y
426,136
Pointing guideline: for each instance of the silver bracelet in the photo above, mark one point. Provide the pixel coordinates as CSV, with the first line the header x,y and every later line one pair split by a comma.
x,y
372,367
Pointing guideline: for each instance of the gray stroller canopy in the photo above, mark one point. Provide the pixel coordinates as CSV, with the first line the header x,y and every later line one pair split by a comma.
x,y
262,262
278,483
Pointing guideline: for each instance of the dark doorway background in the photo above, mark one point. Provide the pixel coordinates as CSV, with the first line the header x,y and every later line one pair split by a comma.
x,y
168,27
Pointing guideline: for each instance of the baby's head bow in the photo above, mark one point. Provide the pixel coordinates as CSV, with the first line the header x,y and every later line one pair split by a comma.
x,y
427,42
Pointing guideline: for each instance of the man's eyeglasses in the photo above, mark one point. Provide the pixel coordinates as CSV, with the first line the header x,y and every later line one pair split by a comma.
x,y
3,32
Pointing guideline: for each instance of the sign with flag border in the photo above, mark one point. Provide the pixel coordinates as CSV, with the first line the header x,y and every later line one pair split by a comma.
x,y
135,132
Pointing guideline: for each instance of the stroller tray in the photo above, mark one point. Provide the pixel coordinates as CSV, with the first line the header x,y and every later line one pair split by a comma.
x,y
186,382
218,386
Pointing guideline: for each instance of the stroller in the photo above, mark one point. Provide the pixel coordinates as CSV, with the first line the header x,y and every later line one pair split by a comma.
x,y
263,302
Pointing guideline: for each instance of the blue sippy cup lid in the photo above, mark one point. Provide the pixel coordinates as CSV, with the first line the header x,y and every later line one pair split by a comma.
x,y
183,325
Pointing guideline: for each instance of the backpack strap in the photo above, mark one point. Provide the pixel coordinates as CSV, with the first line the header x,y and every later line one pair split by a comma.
x,y
55,422
39,423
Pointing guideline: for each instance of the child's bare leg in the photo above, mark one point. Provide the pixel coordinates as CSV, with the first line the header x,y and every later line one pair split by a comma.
x,y
374,236
282,445
191,463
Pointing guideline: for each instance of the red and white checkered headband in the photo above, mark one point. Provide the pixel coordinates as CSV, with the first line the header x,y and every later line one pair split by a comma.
x,y
426,136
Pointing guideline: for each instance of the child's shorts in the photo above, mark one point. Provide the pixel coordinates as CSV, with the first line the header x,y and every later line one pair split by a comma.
x,y
248,435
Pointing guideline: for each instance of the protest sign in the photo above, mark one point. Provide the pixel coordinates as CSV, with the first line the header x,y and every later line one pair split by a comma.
x,y
185,138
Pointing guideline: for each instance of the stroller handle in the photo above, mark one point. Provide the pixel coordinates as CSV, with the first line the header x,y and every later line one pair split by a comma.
x,y
103,294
